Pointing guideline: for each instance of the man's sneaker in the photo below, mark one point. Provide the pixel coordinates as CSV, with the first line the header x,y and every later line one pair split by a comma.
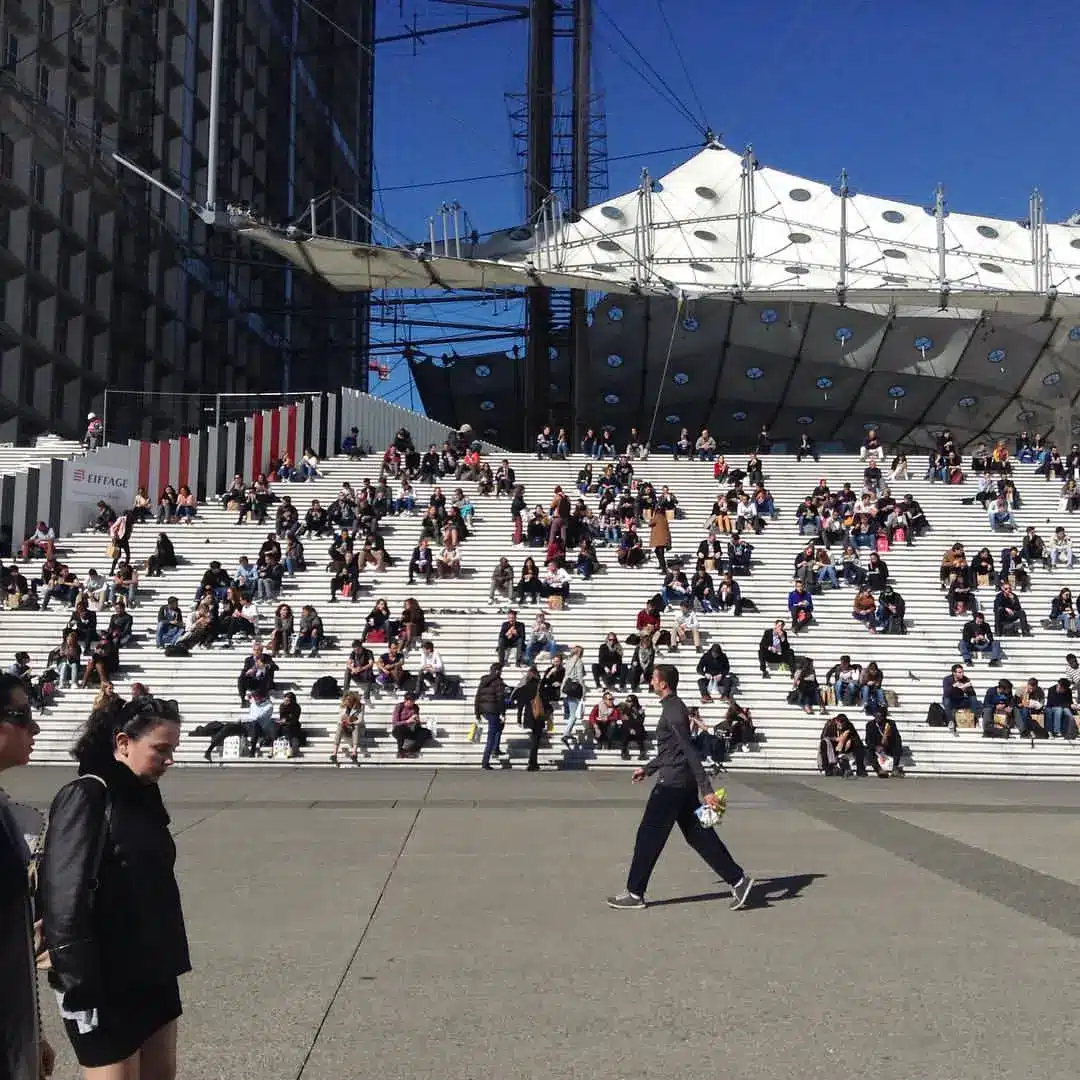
x,y
625,901
740,892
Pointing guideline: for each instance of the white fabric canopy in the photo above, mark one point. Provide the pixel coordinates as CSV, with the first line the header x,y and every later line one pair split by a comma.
x,y
722,226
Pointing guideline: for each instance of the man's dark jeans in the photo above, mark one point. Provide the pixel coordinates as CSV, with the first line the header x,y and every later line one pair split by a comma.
x,y
494,731
669,806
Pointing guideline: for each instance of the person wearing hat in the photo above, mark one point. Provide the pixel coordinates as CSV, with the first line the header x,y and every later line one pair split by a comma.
x,y
24,1055
95,431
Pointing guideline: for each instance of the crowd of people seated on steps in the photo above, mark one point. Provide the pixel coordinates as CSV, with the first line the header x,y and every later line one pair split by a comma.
x,y
611,506
1032,712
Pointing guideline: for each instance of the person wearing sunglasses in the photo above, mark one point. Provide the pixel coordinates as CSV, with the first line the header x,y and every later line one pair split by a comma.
x,y
24,1055
113,923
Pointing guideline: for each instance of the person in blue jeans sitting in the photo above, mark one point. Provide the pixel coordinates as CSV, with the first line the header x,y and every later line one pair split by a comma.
x,y
957,692
1059,711
978,637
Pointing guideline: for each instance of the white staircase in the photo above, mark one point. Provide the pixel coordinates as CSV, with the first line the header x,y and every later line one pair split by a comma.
x,y
465,627
47,447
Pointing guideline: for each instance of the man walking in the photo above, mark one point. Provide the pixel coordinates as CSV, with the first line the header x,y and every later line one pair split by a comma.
x,y
681,783
490,705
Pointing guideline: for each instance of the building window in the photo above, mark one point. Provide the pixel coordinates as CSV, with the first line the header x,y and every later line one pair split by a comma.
x,y
7,156
43,82
5,231
26,389
63,269
37,182
45,18
93,228
31,307
99,78
33,248
72,110
61,339
67,206
91,286
11,51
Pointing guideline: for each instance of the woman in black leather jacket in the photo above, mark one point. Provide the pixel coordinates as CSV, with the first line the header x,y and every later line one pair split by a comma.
x,y
111,906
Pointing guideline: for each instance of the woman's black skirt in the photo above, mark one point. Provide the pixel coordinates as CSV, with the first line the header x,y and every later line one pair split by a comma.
x,y
124,1024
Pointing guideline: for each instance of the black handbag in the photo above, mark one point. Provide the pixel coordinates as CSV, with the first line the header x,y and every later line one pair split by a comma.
x,y
573,689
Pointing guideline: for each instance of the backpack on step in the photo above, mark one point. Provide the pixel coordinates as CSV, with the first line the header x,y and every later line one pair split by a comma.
x,y
936,716
326,688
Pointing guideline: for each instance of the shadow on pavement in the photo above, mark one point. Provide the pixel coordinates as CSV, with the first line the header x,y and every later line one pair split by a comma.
x,y
766,892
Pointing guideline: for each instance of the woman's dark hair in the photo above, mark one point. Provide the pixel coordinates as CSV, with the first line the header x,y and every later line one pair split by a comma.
x,y
97,740
8,685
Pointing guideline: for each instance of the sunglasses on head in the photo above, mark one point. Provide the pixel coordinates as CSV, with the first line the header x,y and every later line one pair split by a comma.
x,y
18,717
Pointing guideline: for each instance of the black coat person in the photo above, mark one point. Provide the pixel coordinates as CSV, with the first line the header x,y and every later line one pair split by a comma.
x,y
110,903
18,1001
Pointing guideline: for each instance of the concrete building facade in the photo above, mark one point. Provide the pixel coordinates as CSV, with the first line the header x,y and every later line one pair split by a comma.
x,y
106,282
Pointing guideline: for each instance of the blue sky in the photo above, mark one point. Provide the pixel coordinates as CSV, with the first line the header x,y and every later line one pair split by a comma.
x,y
980,95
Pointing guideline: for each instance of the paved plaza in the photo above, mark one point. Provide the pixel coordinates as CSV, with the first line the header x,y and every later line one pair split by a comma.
x,y
450,924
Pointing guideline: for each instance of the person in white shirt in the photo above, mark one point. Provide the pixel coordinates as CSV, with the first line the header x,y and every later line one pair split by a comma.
x,y
687,626
556,582
42,539
309,465
1061,549
746,511
1072,672
449,559
541,639
94,587
431,669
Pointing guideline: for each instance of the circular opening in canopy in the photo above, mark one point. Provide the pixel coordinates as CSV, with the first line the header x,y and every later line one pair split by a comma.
x,y
704,234
799,194
705,192
612,212
799,237
893,217
988,231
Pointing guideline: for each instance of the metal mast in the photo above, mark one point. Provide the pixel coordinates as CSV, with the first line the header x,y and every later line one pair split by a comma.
x,y
582,164
541,94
